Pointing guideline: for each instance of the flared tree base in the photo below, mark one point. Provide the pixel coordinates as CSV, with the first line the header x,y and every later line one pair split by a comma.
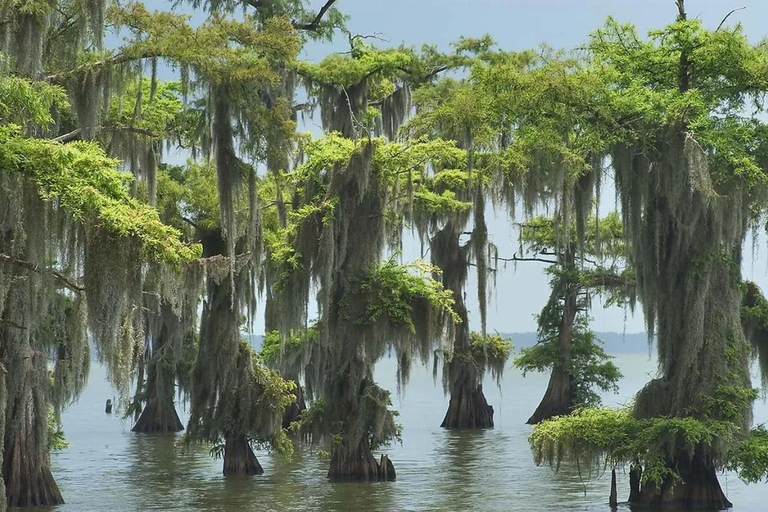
x,y
239,459
156,420
468,409
557,399
699,489
32,488
360,466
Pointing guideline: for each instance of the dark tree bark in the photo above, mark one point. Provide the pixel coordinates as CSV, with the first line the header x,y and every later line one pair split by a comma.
x,y
558,399
159,414
698,489
613,500
239,459
359,465
468,407
28,479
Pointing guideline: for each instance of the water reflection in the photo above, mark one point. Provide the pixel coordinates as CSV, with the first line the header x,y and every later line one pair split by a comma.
x,y
108,468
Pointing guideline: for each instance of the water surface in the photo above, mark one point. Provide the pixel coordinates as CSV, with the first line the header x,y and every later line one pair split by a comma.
x,y
108,468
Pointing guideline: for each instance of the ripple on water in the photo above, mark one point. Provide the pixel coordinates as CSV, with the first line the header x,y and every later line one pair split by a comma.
x,y
107,468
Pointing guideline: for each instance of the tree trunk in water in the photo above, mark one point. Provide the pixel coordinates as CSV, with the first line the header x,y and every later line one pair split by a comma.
x,y
558,399
28,480
635,474
359,465
468,408
157,418
239,459
698,489
159,414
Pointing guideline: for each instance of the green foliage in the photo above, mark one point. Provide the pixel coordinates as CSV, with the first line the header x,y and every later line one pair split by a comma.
x,y
56,440
221,49
750,458
392,289
491,347
28,103
592,436
160,115
365,62
85,182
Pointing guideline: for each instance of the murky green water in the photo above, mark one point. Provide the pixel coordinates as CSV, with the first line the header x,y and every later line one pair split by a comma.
x,y
107,468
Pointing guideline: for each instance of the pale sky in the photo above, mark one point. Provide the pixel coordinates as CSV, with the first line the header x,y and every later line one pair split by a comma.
x,y
518,25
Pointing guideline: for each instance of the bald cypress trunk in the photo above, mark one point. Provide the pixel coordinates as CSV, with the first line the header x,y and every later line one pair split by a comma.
x,y
686,244
558,399
239,459
25,462
699,489
159,414
468,408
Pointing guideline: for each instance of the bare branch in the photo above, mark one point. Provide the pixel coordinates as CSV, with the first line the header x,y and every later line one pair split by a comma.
x,y
727,16
315,24
62,279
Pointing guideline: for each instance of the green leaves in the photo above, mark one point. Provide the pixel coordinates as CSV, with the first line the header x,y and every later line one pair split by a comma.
x,y
392,289
591,436
85,182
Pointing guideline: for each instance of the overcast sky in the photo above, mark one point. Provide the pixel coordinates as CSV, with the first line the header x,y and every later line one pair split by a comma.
x,y
518,25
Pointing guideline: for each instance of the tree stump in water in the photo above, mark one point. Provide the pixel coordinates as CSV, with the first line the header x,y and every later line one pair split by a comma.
x,y
108,407
613,501
386,470
239,459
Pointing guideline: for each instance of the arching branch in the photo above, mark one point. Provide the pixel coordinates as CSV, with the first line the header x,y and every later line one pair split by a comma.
x,y
728,16
58,276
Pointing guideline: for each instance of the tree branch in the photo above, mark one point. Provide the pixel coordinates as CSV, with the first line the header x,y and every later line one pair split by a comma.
x,y
520,258
728,16
315,24
117,59
76,133
8,323
63,280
